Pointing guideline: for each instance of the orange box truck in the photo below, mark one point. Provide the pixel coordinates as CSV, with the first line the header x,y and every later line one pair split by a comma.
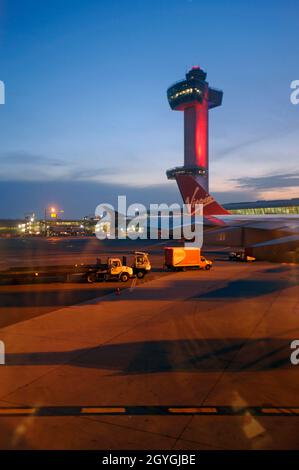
x,y
180,258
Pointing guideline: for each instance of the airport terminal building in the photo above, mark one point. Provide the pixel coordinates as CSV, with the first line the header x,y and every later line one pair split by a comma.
x,y
86,226
275,207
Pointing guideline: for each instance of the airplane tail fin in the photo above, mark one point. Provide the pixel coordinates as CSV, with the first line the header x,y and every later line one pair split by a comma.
x,y
193,193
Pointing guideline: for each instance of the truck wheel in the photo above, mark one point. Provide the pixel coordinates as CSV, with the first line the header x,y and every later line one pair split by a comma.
x,y
91,278
208,267
140,274
124,277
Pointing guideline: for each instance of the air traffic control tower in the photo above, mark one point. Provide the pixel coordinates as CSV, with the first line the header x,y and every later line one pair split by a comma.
x,y
195,98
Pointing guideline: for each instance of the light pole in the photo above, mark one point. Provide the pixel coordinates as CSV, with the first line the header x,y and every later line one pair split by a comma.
x,y
53,215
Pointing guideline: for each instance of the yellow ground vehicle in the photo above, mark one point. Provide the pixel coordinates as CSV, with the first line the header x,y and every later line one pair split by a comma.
x,y
114,269
142,265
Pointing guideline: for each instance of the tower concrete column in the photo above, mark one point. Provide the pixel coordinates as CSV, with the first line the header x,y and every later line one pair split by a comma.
x,y
195,98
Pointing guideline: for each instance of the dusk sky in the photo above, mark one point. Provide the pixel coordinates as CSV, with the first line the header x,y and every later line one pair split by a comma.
x,y
86,115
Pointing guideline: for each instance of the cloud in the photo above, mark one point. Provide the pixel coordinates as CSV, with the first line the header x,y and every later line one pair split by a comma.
x,y
26,158
260,183
85,174
26,166
232,149
225,197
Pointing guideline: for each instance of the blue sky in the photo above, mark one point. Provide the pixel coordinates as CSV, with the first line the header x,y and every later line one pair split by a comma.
x,y
86,115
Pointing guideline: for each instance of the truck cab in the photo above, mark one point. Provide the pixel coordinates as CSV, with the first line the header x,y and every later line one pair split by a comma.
x,y
142,264
114,269
115,266
205,263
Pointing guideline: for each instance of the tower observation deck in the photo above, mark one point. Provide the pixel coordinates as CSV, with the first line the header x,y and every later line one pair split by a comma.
x,y
195,97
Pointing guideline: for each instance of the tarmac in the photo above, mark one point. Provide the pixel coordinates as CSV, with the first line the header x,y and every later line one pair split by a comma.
x,y
188,360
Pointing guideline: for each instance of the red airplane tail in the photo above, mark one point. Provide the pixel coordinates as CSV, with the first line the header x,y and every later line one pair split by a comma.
x,y
193,193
